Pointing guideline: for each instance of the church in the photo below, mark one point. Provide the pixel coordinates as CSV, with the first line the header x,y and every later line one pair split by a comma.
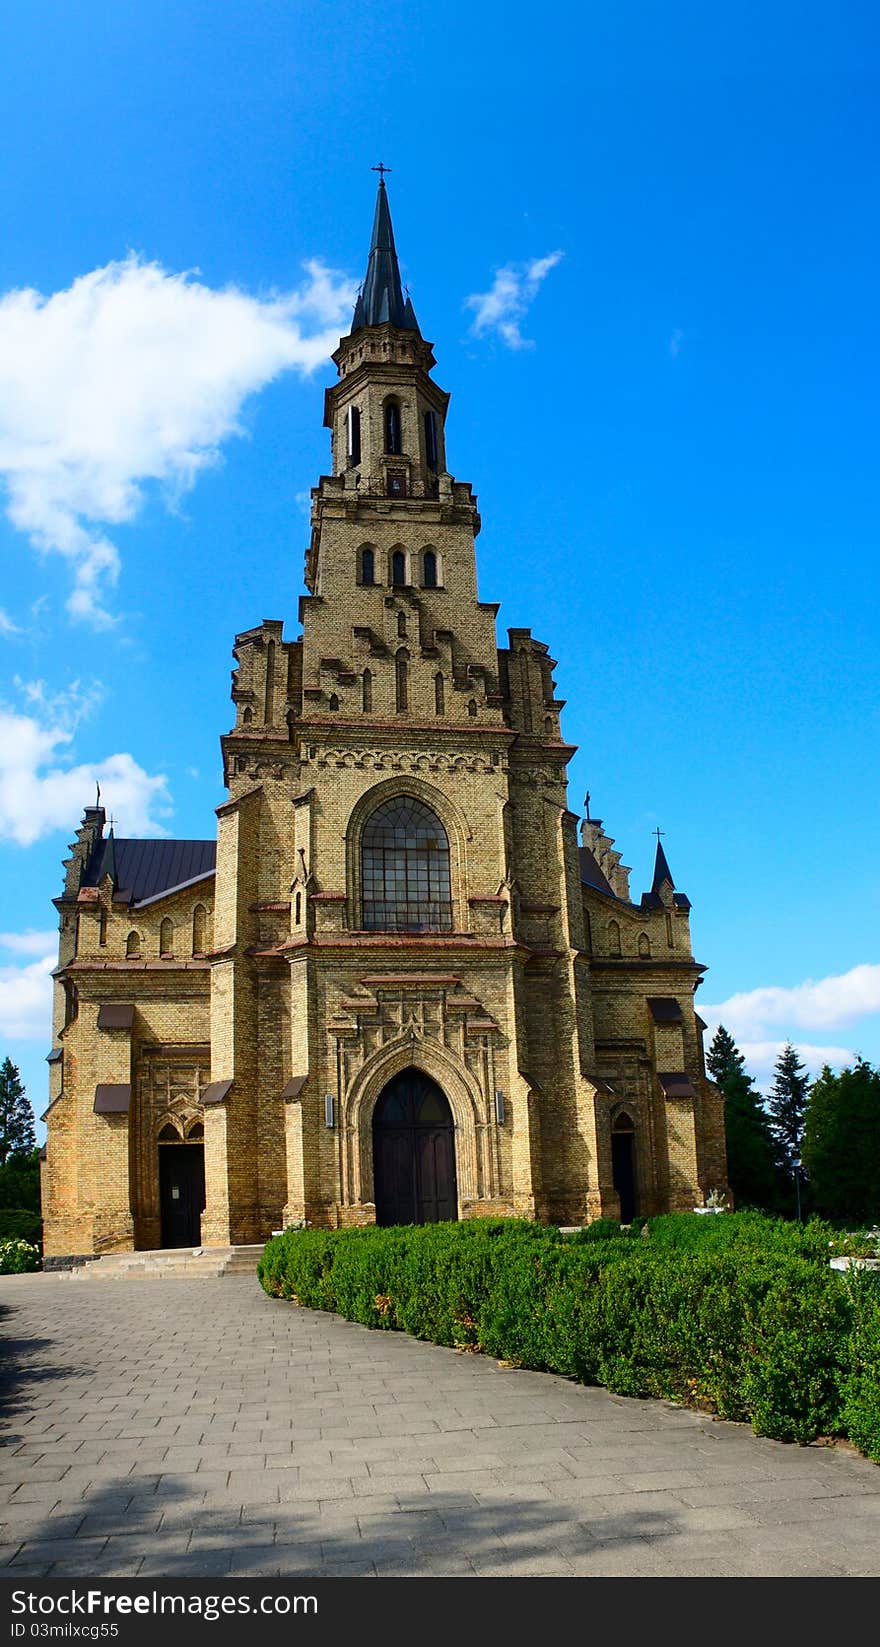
x,y
404,982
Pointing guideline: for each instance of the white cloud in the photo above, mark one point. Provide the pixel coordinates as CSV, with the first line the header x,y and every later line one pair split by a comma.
x,y
830,1003
26,991
135,375
7,627
503,308
675,342
29,943
800,1014
40,793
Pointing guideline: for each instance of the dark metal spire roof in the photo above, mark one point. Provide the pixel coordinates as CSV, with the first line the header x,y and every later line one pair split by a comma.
x,y
661,869
381,300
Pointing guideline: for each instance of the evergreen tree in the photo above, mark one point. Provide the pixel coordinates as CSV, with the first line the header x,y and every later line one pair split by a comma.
x,y
787,1103
841,1143
17,1136
753,1165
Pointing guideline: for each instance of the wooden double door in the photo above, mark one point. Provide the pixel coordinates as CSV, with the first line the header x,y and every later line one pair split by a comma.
x,y
414,1152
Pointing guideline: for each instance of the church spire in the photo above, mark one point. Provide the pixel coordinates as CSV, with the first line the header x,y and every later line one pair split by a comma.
x,y
381,300
661,868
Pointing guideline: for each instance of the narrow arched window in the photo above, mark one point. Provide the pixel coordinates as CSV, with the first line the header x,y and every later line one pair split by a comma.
x,y
431,440
353,436
392,427
472,707
401,670
368,567
133,945
398,568
247,715
613,938
269,714
200,929
429,569
644,945
405,869
669,938
439,695
401,625
334,701
166,937
367,691
298,912
102,928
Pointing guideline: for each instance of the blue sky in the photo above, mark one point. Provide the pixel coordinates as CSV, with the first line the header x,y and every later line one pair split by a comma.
x,y
664,392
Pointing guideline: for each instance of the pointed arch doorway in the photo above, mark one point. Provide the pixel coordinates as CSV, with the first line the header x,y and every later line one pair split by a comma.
x,y
414,1152
623,1141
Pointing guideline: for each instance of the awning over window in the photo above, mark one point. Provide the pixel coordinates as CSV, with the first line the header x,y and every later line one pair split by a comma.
x,y
664,1010
216,1091
116,1015
113,1098
677,1085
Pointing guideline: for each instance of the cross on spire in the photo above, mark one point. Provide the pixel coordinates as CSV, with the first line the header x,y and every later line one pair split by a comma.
x,y
658,833
382,171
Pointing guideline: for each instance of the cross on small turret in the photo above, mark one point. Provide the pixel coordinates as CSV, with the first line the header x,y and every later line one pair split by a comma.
x,y
658,833
381,170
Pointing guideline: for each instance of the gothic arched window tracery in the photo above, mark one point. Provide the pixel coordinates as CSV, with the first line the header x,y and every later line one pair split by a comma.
x,y
405,869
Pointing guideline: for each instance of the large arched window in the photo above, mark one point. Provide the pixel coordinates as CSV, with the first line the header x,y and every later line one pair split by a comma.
x,y
405,865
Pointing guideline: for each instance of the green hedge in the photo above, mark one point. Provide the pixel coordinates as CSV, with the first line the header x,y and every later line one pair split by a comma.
x,y
737,1315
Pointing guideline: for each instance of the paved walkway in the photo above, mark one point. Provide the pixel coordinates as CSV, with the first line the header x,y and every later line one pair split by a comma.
x,y
200,1428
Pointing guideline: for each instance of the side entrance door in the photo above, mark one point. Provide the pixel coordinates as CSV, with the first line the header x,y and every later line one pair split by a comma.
x,y
181,1193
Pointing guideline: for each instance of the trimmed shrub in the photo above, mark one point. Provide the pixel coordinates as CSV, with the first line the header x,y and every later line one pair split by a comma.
x,y
751,1324
861,1384
19,1222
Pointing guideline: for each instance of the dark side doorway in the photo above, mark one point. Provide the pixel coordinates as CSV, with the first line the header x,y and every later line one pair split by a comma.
x,y
414,1152
181,1193
624,1167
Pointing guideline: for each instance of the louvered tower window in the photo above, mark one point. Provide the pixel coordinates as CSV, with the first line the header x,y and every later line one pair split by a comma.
x,y
392,427
405,866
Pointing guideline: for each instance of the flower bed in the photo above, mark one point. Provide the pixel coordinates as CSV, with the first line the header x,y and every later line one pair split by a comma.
x,y
17,1257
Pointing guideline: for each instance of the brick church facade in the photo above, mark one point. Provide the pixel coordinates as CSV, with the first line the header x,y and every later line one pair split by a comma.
x,y
404,983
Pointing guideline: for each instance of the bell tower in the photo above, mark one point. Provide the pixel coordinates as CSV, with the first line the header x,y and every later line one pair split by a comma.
x,y
392,624
386,414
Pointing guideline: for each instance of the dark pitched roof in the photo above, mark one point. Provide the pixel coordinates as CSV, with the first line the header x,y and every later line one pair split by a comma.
x,y
591,874
148,869
382,299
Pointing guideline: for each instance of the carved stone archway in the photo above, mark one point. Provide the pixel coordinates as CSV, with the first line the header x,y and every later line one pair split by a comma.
x,y
460,1089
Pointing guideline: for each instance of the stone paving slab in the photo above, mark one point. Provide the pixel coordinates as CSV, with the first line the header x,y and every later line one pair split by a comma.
x,y
204,1429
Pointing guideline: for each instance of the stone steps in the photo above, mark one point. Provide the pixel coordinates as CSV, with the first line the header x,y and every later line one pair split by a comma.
x,y
172,1263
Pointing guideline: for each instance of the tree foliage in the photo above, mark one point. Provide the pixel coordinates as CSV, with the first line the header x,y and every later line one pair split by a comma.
x,y
787,1103
841,1143
754,1169
17,1136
